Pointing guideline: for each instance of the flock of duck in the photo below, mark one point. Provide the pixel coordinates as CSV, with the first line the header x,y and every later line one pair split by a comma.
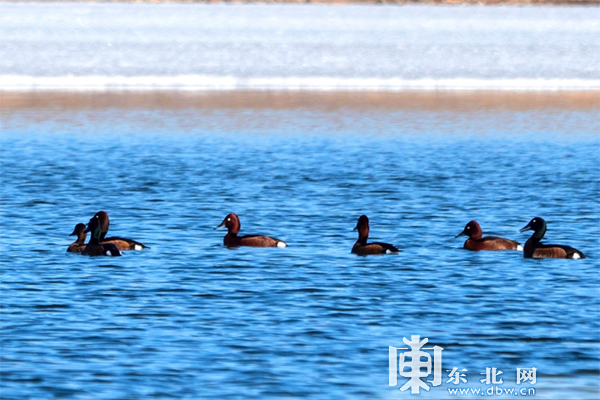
x,y
100,245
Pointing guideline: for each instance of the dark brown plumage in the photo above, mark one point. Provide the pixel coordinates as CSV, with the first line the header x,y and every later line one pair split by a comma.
x,y
535,249
231,239
94,247
362,248
78,245
119,242
124,244
477,242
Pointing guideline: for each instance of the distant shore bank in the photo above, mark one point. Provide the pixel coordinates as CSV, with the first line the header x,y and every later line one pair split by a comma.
x,y
456,101
402,2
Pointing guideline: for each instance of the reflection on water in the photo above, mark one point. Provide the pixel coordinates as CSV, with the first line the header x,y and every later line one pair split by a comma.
x,y
191,319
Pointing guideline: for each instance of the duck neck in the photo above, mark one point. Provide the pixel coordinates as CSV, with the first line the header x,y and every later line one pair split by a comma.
x,y
362,239
81,236
476,235
232,233
539,234
96,233
104,223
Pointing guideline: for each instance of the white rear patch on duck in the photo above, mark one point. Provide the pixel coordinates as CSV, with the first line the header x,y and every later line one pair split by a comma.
x,y
137,247
108,253
281,244
519,248
576,256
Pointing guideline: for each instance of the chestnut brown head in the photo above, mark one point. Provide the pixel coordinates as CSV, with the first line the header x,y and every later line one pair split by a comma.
x,y
472,230
79,228
104,223
362,226
232,223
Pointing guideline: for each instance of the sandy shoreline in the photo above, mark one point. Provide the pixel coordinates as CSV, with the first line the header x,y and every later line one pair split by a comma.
x,y
479,113
459,101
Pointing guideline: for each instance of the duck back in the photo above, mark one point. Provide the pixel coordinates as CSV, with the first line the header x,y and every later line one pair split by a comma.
x,y
252,241
374,248
124,244
76,248
538,250
107,249
492,243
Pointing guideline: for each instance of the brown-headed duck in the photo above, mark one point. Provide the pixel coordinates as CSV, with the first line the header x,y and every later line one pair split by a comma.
x,y
476,242
78,245
231,239
121,243
534,249
362,248
94,247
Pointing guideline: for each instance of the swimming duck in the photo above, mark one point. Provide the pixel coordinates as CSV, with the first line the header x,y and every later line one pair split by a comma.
x,y
534,249
362,248
94,247
121,243
231,239
476,242
78,245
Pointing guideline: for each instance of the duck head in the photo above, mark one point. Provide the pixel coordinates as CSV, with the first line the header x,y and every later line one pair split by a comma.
x,y
362,226
472,230
104,222
538,225
95,228
232,223
79,229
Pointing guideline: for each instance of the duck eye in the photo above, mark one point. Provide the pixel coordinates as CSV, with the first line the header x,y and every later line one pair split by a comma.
x,y
228,219
534,220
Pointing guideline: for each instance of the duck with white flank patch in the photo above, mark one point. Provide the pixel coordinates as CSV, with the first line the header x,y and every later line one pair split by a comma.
x,y
120,242
94,247
231,239
535,249
362,248
476,241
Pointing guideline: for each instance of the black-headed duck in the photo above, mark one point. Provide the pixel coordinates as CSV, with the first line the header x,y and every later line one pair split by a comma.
x,y
94,247
476,241
121,243
231,239
534,249
362,248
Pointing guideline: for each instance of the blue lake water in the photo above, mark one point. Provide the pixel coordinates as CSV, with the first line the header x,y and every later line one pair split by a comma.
x,y
191,319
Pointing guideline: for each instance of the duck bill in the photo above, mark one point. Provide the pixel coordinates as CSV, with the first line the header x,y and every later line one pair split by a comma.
x,y
220,226
74,233
87,229
526,228
355,228
460,234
